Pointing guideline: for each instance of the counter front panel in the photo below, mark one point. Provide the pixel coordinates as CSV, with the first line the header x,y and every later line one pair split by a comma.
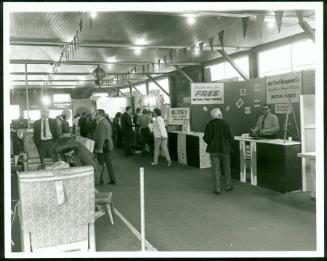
x,y
271,164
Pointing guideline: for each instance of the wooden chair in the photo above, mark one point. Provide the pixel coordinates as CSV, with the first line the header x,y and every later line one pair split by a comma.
x,y
57,209
105,198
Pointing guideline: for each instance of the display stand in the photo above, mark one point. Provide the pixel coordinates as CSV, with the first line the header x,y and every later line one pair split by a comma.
x,y
286,122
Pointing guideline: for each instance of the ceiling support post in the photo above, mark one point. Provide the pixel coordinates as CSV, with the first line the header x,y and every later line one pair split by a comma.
x,y
233,64
156,83
183,73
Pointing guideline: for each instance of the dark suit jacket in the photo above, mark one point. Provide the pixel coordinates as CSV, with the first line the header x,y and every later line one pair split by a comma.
x,y
218,136
126,122
65,127
103,132
54,129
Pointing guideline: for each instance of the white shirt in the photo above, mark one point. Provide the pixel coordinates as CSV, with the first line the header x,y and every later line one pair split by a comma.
x,y
159,129
48,135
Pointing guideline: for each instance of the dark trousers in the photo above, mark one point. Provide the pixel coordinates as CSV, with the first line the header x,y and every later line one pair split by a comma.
x,y
128,142
106,158
220,163
146,138
45,149
117,139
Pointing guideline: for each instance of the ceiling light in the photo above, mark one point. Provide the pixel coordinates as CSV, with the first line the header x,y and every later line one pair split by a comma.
x,y
94,14
138,51
271,24
196,52
45,100
141,41
190,20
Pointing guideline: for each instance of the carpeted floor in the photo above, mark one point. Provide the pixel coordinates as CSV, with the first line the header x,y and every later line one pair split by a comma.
x,y
183,214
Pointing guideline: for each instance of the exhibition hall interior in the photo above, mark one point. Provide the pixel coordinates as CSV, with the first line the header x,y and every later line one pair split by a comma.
x,y
159,130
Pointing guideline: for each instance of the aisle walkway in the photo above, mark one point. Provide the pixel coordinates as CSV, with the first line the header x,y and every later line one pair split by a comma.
x,y
182,213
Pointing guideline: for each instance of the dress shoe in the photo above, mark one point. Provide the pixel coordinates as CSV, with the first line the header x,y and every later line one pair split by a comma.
x,y
217,192
112,182
229,189
170,164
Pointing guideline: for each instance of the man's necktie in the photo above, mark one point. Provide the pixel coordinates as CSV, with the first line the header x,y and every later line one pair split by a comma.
x,y
263,123
44,128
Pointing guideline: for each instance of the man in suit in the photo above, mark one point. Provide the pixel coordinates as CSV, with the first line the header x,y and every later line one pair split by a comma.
x,y
219,138
104,145
127,132
267,125
46,133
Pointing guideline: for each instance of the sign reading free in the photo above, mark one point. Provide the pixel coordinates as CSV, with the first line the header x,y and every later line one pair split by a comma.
x,y
207,93
284,88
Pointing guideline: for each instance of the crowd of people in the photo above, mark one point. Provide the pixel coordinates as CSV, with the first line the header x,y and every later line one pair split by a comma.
x,y
130,132
133,132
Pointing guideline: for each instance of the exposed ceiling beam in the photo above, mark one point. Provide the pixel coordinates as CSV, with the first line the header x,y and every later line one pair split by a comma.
x,y
39,42
74,80
233,64
79,73
184,74
308,30
18,61
21,86
156,83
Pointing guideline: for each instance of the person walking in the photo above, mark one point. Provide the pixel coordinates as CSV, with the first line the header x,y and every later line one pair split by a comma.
x,y
65,126
104,145
219,138
116,126
145,134
160,138
127,132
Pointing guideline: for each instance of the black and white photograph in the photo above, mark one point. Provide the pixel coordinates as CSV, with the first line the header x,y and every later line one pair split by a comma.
x,y
163,129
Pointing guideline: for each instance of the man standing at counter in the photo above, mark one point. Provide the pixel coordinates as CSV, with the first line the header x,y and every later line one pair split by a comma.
x,y
219,138
267,125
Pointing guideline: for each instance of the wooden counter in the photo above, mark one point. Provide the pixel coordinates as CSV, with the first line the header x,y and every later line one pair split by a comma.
x,y
271,164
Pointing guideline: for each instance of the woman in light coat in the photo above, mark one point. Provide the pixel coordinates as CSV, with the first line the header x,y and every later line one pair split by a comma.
x,y
160,137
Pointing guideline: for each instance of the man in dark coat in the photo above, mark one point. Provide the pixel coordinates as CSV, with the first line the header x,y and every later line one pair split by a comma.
x,y
104,145
219,138
127,132
82,125
46,133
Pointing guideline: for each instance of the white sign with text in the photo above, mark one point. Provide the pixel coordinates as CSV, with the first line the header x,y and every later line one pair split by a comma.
x,y
177,116
207,93
284,88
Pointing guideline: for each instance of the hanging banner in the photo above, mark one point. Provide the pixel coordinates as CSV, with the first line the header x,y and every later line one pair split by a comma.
x,y
260,20
207,93
211,43
245,21
278,17
221,38
177,116
283,88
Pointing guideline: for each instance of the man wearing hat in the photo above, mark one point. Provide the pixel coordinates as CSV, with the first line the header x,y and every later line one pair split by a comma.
x,y
267,125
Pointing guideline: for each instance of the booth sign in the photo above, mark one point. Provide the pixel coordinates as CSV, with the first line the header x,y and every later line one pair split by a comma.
x,y
207,93
284,88
177,116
